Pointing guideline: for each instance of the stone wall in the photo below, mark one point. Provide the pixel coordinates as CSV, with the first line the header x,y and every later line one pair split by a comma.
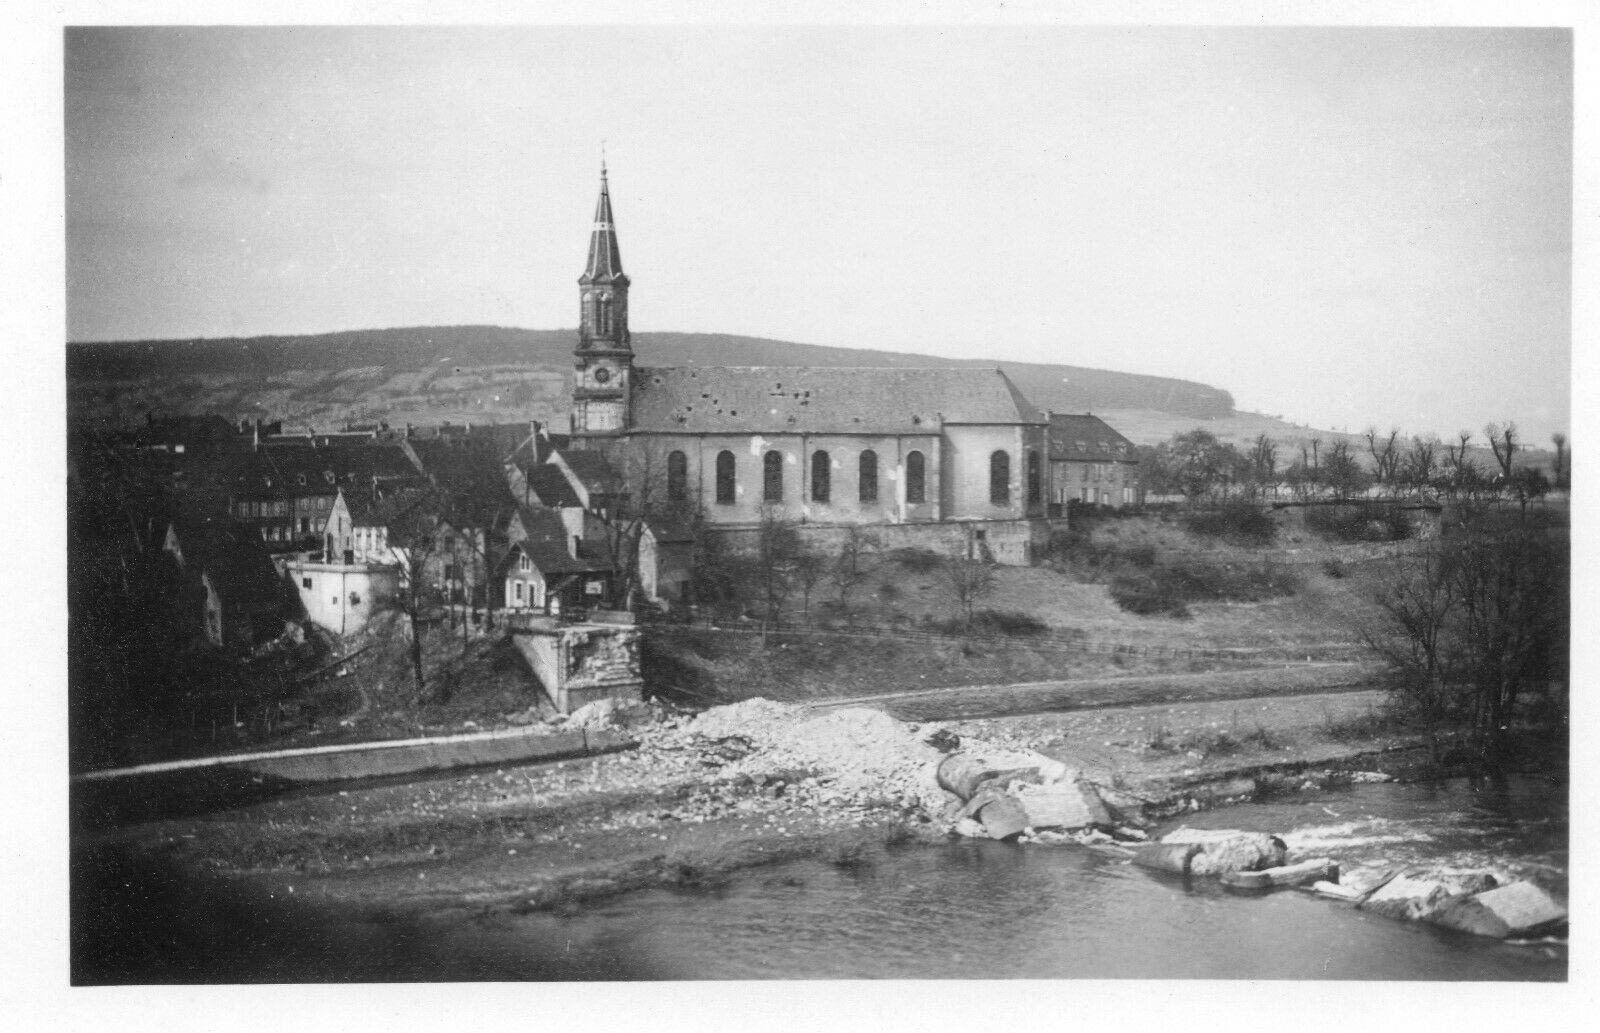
x,y
1013,543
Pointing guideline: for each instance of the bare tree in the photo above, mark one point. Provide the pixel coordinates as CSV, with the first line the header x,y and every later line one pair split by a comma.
x,y
1263,460
1476,623
809,568
1417,468
1385,453
1503,440
1342,472
848,570
1559,474
1418,604
970,579
1461,477
778,549
417,546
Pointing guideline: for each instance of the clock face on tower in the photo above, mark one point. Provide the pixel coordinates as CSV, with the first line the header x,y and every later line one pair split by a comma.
x,y
602,375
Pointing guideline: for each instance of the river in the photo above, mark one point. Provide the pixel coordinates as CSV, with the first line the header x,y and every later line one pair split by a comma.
x,y
981,909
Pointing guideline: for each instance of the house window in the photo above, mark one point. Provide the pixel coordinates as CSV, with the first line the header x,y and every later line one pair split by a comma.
x,y
1035,488
1000,478
821,476
516,591
868,476
305,525
524,564
677,477
355,598
305,583
1084,470
772,477
916,491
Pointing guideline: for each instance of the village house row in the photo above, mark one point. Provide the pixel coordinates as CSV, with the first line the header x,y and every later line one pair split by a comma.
x,y
521,518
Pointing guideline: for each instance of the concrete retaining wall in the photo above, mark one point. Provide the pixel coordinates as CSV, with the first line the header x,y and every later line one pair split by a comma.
x,y
581,663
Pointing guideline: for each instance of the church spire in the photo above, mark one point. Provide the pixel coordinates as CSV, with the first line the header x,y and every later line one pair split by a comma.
x,y
605,257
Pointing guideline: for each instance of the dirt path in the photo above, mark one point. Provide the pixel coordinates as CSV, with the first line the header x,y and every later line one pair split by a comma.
x,y
976,701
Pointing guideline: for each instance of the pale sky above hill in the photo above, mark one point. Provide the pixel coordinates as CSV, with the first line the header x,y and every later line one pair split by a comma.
x,y
1340,225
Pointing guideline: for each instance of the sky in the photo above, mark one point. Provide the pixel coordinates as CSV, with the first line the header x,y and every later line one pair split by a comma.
x,y
1342,226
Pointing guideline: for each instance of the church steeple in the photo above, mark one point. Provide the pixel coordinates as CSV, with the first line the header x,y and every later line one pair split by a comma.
x,y
605,349
603,287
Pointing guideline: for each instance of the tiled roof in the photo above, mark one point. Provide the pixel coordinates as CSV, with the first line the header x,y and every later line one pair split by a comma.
x,y
474,479
551,486
592,471
231,556
552,558
605,257
1086,438
304,469
803,399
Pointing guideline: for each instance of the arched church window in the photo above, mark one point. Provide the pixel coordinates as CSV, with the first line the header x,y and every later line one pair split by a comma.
x,y
677,477
772,477
821,476
868,476
916,491
1035,486
725,477
1000,478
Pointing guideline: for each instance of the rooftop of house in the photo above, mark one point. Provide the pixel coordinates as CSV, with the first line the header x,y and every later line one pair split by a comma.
x,y
550,485
1081,437
803,399
592,471
231,557
553,558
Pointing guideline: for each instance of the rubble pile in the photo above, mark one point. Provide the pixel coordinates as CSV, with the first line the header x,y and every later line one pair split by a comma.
x,y
859,754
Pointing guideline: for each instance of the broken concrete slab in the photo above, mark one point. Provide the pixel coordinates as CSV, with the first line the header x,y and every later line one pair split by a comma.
x,y
1166,857
1406,896
1065,805
1520,909
1230,850
1365,880
1002,817
1316,869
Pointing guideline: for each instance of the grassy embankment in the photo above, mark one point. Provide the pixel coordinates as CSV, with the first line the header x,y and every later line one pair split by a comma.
x,y
1144,596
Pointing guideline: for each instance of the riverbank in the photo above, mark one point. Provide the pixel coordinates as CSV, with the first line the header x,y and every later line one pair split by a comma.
x,y
697,801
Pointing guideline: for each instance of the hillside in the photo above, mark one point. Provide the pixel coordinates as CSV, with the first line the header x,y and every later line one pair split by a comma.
x,y
487,372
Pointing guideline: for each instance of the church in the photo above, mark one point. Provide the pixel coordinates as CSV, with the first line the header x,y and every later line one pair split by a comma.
x,y
938,449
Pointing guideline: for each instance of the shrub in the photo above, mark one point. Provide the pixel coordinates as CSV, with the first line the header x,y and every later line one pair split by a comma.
x,y
1334,568
1147,596
918,560
1168,589
1240,523
996,622
1359,522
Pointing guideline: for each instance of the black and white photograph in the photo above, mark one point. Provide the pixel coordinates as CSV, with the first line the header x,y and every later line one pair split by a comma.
x,y
962,496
